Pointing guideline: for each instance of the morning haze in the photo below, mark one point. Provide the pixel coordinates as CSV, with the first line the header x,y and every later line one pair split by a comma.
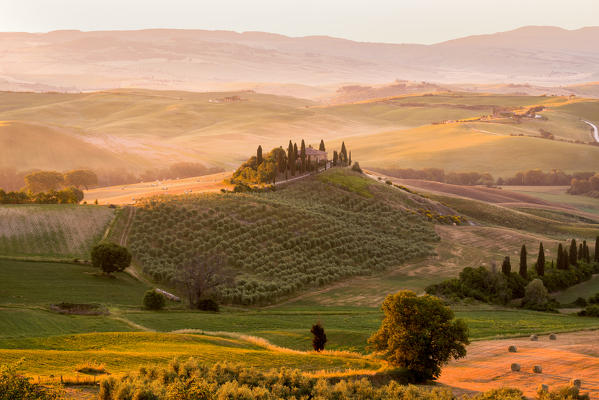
x,y
299,200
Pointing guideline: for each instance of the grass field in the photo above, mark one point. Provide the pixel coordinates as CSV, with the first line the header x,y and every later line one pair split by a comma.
x,y
557,194
584,290
31,283
51,230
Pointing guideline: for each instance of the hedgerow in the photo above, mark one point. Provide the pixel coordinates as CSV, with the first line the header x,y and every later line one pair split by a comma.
x,y
310,233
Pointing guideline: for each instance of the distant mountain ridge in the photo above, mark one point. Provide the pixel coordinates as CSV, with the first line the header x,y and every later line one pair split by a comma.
x,y
205,60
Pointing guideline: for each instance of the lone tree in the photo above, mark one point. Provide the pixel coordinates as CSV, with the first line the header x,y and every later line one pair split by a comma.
x,y
540,267
523,267
199,277
420,334
321,146
320,338
110,257
506,266
43,181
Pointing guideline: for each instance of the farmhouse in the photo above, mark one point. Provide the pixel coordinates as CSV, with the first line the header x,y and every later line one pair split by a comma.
x,y
316,155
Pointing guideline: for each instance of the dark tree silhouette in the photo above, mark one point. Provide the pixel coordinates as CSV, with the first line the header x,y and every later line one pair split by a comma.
x,y
540,267
506,266
110,257
199,277
573,253
523,263
321,146
320,338
259,158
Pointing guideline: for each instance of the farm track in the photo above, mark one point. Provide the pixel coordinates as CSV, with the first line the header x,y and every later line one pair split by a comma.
x,y
595,131
127,228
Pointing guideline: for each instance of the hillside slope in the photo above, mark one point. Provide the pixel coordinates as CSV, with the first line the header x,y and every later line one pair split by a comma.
x,y
308,234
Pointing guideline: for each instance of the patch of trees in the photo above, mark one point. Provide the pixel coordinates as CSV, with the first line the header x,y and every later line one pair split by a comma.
x,y
439,175
581,182
587,185
178,170
69,195
530,286
281,164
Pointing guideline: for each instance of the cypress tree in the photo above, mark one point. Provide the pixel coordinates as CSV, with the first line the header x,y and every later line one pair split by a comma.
x,y
506,266
560,257
291,159
573,253
343,153
259,158
580,251
540,267
586,256
321,147
523,267
335,158
596,255
350,158
295,152
303,156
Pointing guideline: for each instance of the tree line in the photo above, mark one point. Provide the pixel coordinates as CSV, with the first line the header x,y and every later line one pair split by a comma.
x,y
13,180
574,263
581,182
283,164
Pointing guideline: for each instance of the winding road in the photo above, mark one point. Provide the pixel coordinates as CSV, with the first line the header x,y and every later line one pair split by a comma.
x,y
595,132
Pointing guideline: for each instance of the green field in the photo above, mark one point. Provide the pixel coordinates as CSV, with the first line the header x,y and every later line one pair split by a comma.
x,y
49,283
51,230
584,290
558,195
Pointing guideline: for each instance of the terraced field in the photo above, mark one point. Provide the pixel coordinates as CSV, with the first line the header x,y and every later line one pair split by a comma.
x,y
51,230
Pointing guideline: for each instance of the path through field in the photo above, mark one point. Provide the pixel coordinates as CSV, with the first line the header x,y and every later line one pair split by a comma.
x,y
595,131
487,365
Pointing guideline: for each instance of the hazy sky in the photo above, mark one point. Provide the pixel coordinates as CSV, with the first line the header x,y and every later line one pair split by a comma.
x,y
396,21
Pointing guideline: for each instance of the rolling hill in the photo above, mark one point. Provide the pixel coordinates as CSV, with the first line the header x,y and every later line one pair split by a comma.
x,y
202,60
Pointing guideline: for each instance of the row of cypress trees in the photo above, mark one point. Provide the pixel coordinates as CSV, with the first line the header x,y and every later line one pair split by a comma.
x,y
565,258
288,162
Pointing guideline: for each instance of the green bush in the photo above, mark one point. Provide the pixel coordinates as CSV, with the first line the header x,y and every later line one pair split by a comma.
x,y
590,311
13,387
110,257
356,167
153,300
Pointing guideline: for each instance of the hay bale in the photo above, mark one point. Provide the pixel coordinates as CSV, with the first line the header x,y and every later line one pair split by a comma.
x,y
512,349
515,367
576,382
552,337
537,369
534,338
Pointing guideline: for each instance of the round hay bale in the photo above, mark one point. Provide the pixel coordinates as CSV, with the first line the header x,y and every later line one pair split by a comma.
x,y
552,337
515,367
537,369
576,382
534,338
512,349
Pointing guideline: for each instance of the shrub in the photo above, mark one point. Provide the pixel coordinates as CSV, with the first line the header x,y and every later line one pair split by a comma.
x,y
356,167
208,305
154,300
536,296
14,386
110,257
590,311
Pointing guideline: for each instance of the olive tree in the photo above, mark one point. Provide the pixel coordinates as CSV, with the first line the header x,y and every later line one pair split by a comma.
x,y
419,334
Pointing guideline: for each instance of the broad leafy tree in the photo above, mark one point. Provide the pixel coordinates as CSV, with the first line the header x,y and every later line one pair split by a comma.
x,y
199,277
420,334
43,181
110,257
80,178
